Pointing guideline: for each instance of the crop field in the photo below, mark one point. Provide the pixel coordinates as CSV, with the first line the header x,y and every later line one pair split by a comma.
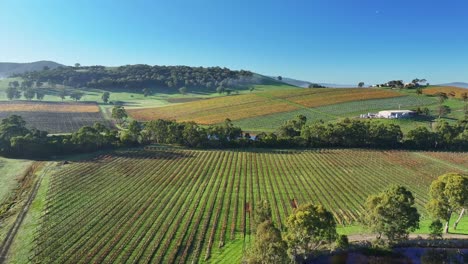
x,y
457,91
171,205
238,107
55,117
334,111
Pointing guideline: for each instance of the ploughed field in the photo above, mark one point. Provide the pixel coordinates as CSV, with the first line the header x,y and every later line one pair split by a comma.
x,y
170,205
55,117
237,107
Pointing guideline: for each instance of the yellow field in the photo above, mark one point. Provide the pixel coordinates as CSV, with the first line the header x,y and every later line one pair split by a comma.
x,y
48,107
457,91
236,107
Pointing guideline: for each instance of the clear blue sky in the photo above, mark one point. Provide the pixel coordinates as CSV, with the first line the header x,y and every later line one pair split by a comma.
x,y
339,41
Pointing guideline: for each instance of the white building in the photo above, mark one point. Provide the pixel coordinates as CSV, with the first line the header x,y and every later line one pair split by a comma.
x,y
395,114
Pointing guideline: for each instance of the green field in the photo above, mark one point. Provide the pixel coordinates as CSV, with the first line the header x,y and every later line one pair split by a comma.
x,y
175,205
10,172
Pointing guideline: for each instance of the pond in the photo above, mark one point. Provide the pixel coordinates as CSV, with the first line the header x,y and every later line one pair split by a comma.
x,y
400,255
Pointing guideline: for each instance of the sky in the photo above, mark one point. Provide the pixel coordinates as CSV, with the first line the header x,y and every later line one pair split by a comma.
x,y
331,41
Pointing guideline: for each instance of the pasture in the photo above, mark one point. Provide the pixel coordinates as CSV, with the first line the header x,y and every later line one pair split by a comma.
x,y
171,205
54,117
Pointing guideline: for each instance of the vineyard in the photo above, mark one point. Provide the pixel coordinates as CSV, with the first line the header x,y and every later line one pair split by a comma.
x,y
236,107
335,111
450,91
55,117
168,205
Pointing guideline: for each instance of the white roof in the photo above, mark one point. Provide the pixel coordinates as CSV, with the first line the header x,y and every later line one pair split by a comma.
x,y
396,111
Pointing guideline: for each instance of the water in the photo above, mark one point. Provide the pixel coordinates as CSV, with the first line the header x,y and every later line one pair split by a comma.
x,y
400,255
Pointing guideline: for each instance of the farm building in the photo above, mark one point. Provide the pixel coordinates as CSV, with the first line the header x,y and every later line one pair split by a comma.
x,y
395,114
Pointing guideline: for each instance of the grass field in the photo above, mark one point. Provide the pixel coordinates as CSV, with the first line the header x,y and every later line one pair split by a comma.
x,y
170,205
257,104
55,117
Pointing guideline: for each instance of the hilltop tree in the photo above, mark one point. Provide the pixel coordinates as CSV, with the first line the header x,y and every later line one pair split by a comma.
x,y
308,228
361,84
105,97
12,93
392,213
77,65
280,78
119,114
448,194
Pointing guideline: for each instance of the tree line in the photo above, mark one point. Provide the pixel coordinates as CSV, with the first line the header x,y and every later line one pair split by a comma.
x,y
391,215
142,76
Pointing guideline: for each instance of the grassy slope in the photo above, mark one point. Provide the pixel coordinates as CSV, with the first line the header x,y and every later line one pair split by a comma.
x,y
23,244
10,169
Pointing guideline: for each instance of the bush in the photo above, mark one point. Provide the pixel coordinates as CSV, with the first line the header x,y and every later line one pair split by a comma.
x,y
342,242
436,229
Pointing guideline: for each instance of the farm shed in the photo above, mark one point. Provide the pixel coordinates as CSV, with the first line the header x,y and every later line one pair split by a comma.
x,y
395,114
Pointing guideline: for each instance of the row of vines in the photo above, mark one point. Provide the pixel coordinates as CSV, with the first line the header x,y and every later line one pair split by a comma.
x,y
164,205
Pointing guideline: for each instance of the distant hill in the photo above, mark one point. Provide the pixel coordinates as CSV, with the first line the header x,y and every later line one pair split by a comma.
x,y
9,68
305,84
456,84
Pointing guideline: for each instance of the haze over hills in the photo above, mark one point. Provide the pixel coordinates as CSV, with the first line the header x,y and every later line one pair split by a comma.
x,y
9,68
305,84
456,84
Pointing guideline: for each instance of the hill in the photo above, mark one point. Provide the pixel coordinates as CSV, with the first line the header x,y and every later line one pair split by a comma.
x,y
456,84
9,68
305,84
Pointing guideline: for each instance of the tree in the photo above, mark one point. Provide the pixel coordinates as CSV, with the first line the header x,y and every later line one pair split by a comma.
x,y
38,84
183,90
146,92
105,97
262,212
448,193
40,95
464,97
308,228
441,97
280,78
220,89
29,94
76,96
119,114
62,94
392,213
12,93
77,65
436,229
361,84
419,91
268,246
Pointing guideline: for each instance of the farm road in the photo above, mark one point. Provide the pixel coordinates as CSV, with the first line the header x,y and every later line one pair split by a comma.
x,y
10,237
